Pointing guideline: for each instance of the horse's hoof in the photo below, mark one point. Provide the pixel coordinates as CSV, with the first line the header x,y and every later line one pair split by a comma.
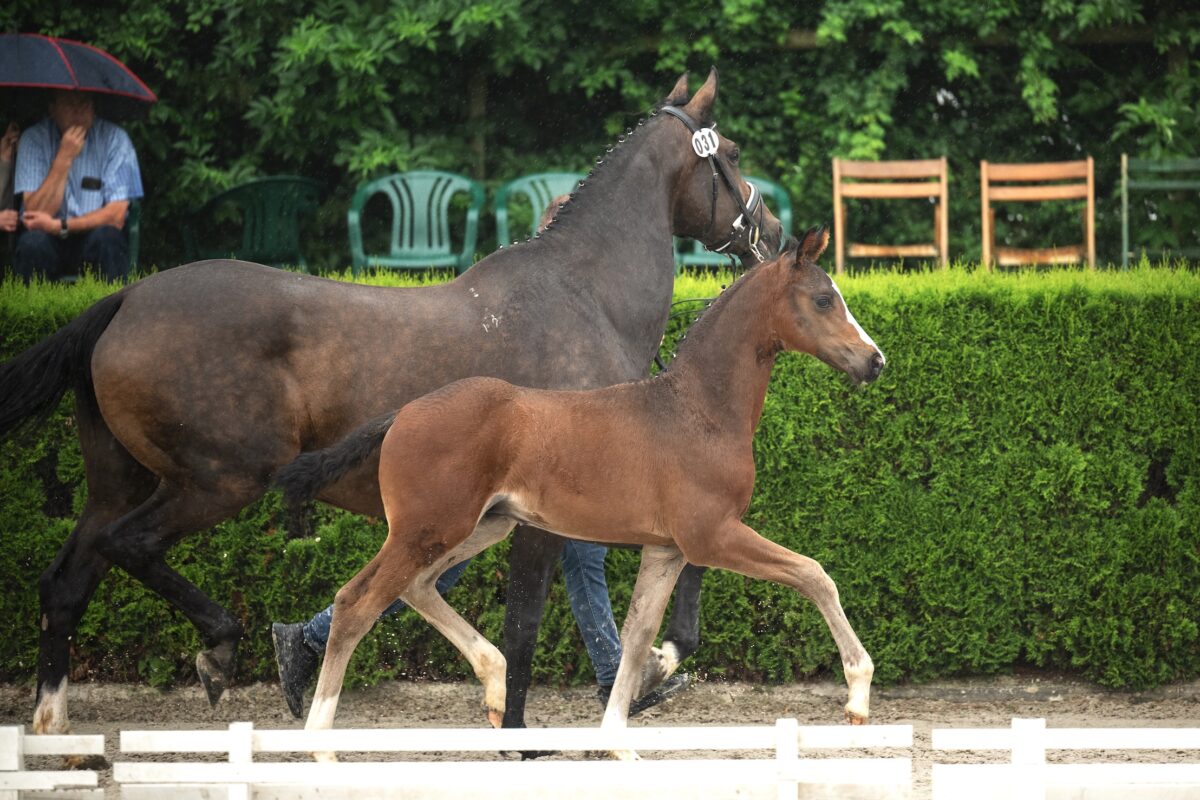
x,y
496,718
856,719
96,762
213,675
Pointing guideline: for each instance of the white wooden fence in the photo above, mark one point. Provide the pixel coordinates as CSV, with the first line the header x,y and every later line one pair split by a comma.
x,y
19,783
786,775
1030,777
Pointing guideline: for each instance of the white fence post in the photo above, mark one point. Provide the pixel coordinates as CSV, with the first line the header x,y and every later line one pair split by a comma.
x,y
786,755
1029,759
12,755
241,751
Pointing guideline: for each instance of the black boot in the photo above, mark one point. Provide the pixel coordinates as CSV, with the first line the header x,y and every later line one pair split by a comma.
x,y
297,663
665,690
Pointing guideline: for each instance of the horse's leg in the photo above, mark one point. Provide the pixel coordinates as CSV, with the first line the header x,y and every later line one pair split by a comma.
x,y
138,542
659,569
682,636
531,563
116,484
740,548
485,659
397,570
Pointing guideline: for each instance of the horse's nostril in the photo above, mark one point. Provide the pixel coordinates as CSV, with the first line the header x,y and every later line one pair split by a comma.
x,y
876,364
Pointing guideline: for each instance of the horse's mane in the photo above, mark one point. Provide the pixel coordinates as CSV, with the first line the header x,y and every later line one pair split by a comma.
x,y
586,194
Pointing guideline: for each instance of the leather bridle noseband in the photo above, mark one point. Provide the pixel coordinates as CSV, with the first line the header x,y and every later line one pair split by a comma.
x,y
748,225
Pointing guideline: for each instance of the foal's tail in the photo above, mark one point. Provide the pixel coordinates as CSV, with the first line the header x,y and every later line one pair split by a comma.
x,y
32,383
310,472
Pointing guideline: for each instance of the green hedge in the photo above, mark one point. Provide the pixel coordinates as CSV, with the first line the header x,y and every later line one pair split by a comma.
x,y
1020,488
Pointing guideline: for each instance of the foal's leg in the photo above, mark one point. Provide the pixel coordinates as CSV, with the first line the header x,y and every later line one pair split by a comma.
x,y
485,659
399,570
740,548
682,636
656,578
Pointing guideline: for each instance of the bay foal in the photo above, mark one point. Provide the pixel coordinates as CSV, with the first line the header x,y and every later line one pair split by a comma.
x,y
665,463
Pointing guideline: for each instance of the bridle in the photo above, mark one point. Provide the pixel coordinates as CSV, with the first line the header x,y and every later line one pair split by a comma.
x,y
748,225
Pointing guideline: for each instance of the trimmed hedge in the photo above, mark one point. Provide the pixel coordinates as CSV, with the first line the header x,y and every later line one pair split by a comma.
x,y
1020,488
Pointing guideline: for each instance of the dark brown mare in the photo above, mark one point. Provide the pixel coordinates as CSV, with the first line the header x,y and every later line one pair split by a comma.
x,y
664,462
193,386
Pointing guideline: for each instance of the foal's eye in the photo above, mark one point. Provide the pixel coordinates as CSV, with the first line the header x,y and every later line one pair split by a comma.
x,y
824,301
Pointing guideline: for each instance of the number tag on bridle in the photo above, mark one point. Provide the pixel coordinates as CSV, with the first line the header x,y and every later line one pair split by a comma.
x,y
705,142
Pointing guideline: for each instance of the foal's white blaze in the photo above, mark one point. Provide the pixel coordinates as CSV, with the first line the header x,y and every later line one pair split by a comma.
x,y
850,318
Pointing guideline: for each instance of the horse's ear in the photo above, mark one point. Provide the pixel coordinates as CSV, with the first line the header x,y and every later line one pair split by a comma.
x,y
679,95
700,107
813,243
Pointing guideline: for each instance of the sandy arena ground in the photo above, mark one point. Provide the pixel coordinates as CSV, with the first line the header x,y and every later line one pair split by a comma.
x,y
108,708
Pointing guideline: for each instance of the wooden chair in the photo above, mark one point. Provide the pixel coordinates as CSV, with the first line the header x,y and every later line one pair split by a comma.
x,y
1168,175
1050,176
889,180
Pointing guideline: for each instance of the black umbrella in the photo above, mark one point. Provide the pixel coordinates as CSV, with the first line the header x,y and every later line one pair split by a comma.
x,y
32,62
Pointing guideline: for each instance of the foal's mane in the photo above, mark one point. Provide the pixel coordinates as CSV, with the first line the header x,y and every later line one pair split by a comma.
x,y
707,319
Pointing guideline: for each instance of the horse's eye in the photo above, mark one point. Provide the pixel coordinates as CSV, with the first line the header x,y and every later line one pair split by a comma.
x,y
735,155
823,301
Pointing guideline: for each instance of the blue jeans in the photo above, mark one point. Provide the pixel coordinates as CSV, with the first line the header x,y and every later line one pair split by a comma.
x,y
105,249
587,589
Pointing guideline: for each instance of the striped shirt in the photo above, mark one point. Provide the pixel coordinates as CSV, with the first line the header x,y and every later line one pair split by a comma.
x,y
107,164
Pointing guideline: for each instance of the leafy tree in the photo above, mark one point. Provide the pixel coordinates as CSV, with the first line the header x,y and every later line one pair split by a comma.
x,y
344,90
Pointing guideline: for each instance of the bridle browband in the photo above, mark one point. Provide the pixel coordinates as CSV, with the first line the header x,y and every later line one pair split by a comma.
x,y
748,225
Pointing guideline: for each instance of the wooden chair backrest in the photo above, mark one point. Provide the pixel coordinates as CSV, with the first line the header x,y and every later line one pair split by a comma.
x,y
889,180
1039,182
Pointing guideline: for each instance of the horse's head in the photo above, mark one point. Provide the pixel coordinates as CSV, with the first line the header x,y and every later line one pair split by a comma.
x,y
712,202
814,317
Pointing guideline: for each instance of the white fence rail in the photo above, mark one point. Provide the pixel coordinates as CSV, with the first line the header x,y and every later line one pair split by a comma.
x,y
1030,777
17,782
785,775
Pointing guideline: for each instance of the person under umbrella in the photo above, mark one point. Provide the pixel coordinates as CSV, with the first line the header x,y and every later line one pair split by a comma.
x,y
76,174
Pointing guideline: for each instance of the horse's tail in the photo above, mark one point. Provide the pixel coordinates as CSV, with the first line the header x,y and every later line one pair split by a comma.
x,y
32,383
308,473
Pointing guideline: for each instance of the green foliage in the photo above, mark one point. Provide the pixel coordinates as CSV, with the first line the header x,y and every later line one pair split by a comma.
x,y
1020,488
346,90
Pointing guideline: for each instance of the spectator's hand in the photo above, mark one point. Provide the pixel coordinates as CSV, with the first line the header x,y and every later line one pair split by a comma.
x,y
41,221
8,143
8,220
72,142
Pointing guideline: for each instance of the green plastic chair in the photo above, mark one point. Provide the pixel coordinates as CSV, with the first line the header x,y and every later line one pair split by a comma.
x,y
776,198
1161,175
272,212
540,188
420,231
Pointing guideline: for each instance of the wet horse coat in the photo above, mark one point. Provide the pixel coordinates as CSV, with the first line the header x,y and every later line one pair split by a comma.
x,y
194,385
665,463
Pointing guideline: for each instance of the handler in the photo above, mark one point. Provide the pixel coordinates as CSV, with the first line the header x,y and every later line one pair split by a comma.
x,y
77,174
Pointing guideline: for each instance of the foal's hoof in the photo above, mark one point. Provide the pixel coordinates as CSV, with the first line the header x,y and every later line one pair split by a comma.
x,y
215,669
